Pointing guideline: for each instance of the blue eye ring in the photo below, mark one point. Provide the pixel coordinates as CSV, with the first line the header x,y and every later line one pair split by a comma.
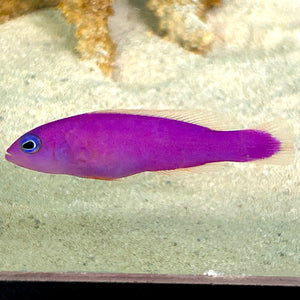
x,y
30,144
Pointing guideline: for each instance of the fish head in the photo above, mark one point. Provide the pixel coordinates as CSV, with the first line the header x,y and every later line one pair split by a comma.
x,y
37,150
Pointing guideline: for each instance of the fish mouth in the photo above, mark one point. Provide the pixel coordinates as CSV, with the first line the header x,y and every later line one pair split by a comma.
x,y
8,156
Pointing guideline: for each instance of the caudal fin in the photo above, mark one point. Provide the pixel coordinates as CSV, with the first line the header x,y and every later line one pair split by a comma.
x,y
278,144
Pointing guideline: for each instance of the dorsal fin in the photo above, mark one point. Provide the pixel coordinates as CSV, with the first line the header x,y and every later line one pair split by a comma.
x,y
204,118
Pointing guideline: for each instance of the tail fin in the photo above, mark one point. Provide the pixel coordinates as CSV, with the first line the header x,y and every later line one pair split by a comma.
x,y
279,140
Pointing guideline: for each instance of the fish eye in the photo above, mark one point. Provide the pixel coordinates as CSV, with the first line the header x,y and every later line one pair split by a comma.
x,y
30,144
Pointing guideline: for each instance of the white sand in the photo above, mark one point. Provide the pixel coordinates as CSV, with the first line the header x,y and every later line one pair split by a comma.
x,y
242,219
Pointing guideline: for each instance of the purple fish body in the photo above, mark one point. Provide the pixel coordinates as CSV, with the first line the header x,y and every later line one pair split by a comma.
x,y
109,145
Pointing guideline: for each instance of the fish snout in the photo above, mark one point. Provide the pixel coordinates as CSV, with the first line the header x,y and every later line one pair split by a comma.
x,y
8,155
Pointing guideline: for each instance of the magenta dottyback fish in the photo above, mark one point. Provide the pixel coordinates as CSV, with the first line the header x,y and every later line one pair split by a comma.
x,y
109,145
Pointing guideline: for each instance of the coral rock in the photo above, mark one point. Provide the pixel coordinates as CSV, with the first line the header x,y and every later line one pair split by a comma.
x,y
180,21
90,18
183,22
12,8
